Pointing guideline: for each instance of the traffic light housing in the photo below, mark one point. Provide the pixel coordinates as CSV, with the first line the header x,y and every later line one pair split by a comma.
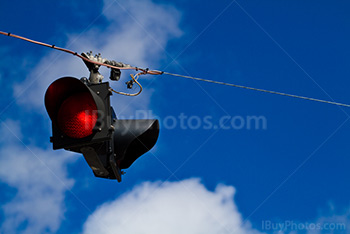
x,y
83,121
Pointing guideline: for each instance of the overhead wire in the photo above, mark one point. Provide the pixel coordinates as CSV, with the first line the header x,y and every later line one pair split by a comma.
x,y
68,51
156,72
257,89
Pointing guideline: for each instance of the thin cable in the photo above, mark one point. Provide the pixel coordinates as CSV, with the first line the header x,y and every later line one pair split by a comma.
x,y
256,89
70,52
155,72
143,71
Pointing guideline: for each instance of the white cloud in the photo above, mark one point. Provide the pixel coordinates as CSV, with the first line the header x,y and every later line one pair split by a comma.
x,y
170,207
327,222
137,33
331,223
40,179
12,129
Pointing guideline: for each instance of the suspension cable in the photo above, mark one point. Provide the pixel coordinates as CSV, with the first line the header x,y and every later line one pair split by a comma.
x,y
260,90
155,72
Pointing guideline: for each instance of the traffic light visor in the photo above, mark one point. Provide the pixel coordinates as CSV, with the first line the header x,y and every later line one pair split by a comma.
x,y
72,107
133,138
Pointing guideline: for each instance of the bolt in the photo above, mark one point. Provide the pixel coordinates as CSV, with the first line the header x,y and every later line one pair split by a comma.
x,y
111,128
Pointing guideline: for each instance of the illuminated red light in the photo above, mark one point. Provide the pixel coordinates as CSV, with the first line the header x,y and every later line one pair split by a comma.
x,y
78,115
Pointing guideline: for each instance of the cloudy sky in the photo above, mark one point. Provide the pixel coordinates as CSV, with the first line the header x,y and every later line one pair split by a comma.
x,y
227,160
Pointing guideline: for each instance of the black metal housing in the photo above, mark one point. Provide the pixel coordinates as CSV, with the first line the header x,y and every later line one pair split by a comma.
x,y
114,144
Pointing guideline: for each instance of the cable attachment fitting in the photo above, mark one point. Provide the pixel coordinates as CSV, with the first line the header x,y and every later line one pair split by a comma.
x,y
115,73
145,71
95,76
130,83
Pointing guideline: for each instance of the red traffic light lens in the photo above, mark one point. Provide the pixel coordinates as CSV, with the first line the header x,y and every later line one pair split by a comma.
x,y
78,115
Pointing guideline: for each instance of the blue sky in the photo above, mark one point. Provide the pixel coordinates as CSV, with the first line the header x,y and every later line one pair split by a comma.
x,y
201,177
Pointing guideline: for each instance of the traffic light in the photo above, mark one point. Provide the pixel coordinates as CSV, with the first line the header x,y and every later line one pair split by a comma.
x,y
83,121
